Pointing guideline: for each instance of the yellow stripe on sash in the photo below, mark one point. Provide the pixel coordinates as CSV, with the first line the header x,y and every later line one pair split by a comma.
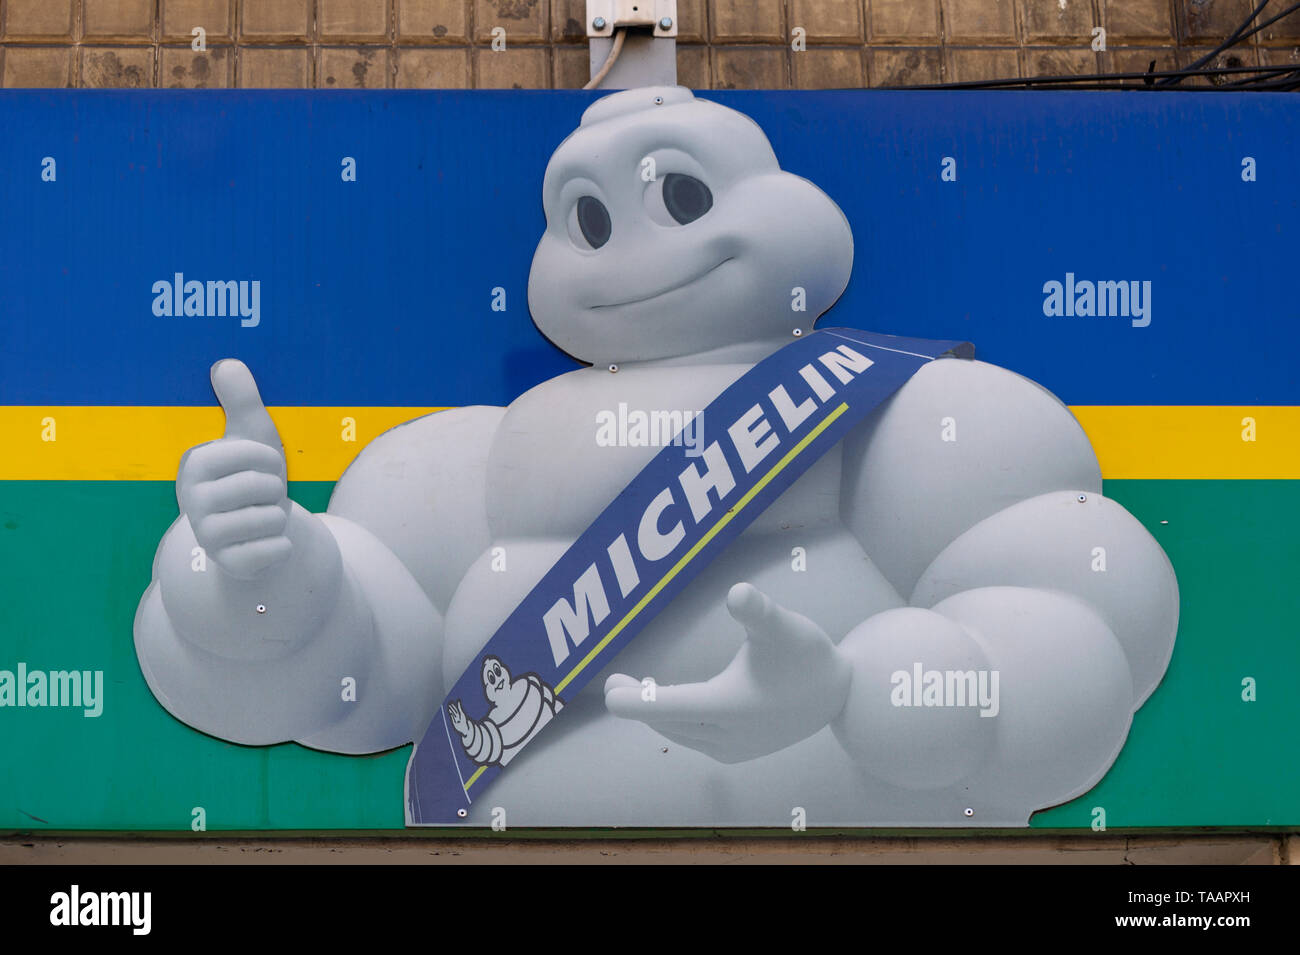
x,y
691,554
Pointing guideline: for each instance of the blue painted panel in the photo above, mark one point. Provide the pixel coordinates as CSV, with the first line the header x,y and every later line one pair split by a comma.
x,y
378,292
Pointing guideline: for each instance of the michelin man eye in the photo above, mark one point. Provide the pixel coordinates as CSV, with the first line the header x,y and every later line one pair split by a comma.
x,y
685,197
593,220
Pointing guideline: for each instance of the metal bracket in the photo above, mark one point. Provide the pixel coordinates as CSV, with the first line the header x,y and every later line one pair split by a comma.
x,y
649,31
658,15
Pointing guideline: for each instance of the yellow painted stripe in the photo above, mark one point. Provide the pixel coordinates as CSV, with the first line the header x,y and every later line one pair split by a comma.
x,y
146,443
1193,442
691,554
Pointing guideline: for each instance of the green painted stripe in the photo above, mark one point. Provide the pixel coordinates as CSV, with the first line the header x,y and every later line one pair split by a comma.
x,y
75,557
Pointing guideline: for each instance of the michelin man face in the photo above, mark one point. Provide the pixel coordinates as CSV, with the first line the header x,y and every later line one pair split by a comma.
x,y
672,231
496,679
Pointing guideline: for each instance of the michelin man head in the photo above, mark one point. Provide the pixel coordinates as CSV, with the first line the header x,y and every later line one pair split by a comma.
x,y
496,679
672,231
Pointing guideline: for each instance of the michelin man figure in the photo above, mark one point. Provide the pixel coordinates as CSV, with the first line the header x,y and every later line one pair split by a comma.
x,y
942,622
520,708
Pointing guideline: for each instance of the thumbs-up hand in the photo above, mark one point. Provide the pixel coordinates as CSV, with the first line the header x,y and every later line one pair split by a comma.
x,y
233,490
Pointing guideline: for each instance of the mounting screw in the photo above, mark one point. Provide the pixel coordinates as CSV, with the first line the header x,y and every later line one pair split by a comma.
x,y
1083,498
462,813
798,332
659,101
261,608
666,23
598,23
613,368
969,811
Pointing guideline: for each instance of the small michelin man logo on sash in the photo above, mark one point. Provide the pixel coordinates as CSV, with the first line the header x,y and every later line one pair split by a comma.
x,y
520,708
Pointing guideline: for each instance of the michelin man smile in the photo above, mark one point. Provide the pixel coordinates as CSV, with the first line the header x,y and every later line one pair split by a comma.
x,y
677,254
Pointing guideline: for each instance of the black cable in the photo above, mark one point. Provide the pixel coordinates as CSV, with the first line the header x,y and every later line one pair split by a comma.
x,y
1226,44
1275,73
1282,84
1243,84
1271,20
1264,78
1071,78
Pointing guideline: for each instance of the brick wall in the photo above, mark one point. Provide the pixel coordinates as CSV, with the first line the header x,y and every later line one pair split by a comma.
x,y
332,44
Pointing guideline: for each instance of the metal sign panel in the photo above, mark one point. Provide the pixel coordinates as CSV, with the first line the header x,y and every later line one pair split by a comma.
x,y
368,257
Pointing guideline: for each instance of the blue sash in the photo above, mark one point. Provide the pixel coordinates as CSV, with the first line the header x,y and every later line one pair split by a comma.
x,y
760,435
